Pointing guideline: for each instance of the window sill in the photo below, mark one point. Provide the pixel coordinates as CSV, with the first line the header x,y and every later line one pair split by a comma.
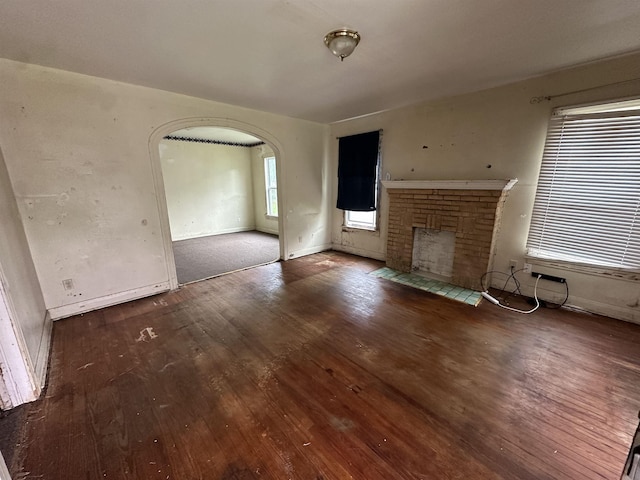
x,y
600,271
270,217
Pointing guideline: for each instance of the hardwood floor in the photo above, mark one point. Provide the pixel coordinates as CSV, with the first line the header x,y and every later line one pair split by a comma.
x,y
312,369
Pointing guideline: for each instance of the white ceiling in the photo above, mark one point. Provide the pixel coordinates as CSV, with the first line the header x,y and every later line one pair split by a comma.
x,y
269,54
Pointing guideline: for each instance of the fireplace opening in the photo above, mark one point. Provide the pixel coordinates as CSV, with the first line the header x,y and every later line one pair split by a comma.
x,y
433,253
470,210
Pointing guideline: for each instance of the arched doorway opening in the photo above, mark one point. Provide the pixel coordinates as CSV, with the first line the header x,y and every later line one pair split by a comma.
x,y
217,184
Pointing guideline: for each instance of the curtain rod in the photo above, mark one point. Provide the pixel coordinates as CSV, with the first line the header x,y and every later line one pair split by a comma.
x,y
338,138
542,98
214,142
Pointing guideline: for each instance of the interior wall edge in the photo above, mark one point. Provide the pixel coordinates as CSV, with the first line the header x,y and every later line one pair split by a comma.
x,y
17,369
361,252
310,251
4,471
64,311
42,359
23,319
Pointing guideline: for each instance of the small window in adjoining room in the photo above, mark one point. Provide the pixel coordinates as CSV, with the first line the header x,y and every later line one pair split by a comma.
x,y
271,186
587,204
358,179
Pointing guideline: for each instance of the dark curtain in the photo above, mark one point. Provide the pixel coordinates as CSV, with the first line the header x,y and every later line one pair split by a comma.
x,y
357,172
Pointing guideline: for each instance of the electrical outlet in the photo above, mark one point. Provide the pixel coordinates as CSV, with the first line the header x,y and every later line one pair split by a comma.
x,y
513,264
544,276
527,268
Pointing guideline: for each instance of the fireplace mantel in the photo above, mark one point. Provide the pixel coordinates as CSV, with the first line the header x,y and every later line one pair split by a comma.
x,y
470,209
503,185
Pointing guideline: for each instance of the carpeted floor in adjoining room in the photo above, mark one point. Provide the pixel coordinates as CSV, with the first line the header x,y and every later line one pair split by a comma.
x,y
210,256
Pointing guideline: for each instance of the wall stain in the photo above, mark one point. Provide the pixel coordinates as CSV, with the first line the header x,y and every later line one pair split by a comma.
x,y
63,198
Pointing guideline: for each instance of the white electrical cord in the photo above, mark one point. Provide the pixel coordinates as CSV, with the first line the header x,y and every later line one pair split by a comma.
x,y
495,301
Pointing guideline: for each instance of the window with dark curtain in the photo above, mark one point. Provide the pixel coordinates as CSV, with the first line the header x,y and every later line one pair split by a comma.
x,y
358,172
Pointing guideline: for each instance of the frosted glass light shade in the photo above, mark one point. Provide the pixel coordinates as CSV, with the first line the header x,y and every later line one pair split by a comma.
x,y
342,42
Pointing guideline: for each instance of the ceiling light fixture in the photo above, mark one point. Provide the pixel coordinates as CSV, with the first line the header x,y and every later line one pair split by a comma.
x,y
342,42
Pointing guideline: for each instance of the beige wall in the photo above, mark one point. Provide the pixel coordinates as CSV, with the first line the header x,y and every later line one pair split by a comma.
x,y
499,127
78,153
208,187
263,222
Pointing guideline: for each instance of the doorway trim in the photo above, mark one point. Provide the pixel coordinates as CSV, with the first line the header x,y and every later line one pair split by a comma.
x,y
4,471
156,167
19,382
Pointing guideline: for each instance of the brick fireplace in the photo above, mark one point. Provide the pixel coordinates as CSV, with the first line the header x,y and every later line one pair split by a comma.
x,y
471,209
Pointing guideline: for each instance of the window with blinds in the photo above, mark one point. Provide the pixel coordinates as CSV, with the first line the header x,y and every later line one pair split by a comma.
x,y
587,204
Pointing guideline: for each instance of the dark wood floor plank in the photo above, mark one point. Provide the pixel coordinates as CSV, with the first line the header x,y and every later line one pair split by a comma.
x,y
313,369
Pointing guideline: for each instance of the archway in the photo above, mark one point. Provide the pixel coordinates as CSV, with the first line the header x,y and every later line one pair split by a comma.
x,y
200,125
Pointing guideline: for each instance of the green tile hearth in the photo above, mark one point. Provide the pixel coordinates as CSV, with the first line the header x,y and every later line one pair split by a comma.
x,y
464,295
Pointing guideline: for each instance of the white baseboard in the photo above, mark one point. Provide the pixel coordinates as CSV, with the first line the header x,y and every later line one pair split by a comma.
x,y
619,312
628,314
219,232
361,252
309,251
115,298
268,230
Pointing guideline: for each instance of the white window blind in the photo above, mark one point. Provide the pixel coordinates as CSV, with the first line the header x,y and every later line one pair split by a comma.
x,y
587,205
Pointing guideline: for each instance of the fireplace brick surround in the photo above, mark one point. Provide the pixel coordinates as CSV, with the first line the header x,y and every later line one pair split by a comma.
x,y
471,209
